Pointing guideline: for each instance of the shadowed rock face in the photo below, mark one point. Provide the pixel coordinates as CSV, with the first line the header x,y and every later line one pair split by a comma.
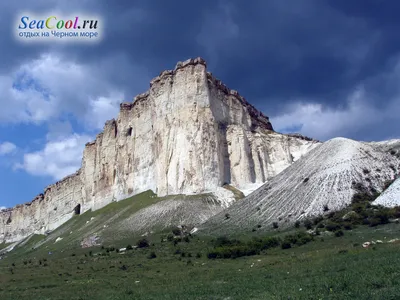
x,y
188,134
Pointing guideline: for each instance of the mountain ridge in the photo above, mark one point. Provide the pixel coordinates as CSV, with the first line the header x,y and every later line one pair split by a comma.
x,y
189,134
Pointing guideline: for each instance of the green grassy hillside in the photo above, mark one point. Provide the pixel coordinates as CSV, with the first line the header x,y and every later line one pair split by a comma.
x,y
327,267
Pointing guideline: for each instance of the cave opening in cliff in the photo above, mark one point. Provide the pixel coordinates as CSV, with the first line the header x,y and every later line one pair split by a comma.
x,y
115,130
77,209
129,132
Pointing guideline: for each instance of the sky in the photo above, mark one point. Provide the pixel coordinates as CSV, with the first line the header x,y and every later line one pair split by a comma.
x,y
323,68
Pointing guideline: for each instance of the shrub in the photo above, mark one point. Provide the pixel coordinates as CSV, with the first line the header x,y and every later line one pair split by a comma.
x,y
318,220
332,226
297,224
348,226
129,247
372,222
286,245
227,216
326,208
143,243
265,243
308,224
123,267
232,252
198,255
176,231
224,241
275,225
306,179
339,233
152,255
170,237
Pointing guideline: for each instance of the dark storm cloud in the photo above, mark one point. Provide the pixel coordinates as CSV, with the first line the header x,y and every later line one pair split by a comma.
x,y
271,51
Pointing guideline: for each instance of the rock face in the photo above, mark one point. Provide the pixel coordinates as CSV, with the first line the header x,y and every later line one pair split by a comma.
x,y
188,134
324,178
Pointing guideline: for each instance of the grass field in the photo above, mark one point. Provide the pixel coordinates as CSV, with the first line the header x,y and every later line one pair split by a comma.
x,y
328,267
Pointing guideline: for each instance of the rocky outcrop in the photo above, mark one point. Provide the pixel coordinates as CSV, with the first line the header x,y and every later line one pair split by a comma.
x,y
188,134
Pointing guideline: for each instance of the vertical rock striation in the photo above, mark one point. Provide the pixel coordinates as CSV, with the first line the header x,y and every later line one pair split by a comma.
x,y
187,134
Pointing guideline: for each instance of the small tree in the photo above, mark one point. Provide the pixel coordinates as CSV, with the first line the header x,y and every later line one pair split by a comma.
x,y
143,243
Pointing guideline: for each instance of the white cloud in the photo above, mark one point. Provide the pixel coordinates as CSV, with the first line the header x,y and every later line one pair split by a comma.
x,y
7,148
2,207
57,159
49,87
324,123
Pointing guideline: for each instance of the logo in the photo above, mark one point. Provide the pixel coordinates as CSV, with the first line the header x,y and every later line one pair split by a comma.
x,y
55,27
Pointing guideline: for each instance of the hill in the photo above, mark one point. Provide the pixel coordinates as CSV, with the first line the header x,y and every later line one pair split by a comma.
x,y
324,179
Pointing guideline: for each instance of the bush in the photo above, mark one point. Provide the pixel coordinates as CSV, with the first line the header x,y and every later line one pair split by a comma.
x,y
129,247
176,231
297,224
232,252
226,248
123,267
286,245
227,216
275,225
143,243
308,224
332,226
339,233
198,255
170,237
224,241
318,220
348,226
265,243
372,222
152,255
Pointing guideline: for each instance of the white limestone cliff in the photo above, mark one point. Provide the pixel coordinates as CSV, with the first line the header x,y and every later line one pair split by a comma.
x,y
188,134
